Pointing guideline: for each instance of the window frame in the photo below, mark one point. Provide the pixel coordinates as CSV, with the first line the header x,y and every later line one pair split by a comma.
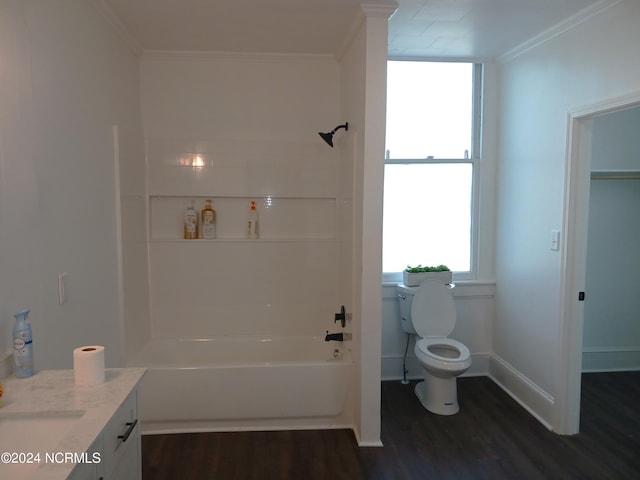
x,y
474,160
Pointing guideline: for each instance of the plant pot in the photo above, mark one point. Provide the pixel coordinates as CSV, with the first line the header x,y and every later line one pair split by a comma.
x,y
415,279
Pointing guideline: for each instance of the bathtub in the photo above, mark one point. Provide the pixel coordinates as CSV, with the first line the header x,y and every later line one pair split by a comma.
x,y
244,383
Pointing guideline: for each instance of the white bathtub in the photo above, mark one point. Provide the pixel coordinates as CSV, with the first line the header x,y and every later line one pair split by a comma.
x,y
244,383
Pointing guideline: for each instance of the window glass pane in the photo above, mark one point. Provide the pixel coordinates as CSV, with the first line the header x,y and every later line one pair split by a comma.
x,y
429,109
427,215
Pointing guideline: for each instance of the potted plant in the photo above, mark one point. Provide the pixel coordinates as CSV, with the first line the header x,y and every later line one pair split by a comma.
x,y
414,276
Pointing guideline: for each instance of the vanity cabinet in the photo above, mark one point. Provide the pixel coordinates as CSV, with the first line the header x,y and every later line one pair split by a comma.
x,y
118,446
97,430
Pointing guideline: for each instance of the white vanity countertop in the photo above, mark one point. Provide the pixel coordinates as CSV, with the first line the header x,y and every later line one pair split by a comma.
x,y
53,393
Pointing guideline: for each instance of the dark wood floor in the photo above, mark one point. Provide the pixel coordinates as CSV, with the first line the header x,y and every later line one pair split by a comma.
x,y
492,437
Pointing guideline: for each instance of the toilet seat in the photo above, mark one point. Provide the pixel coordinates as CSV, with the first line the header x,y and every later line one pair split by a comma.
x,y
444,354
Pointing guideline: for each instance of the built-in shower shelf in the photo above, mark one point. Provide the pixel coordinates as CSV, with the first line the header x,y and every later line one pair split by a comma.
x,y
281,218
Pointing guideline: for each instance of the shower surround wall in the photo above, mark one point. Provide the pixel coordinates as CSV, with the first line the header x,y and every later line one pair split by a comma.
x,y
251,123
61,94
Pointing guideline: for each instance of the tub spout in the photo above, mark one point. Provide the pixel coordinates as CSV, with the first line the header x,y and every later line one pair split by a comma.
x,y
337,337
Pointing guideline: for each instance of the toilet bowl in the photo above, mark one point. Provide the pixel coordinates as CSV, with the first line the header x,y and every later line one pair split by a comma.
x,y
428,311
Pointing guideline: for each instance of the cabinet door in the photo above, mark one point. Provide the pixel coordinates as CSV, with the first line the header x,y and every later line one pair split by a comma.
x,y
122,442
84,471
129,466
93,469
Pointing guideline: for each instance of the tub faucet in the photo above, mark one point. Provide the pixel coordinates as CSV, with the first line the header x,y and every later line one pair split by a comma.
x,y
337,337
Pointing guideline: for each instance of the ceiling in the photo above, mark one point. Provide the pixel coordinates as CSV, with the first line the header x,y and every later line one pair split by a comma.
x,y
469,29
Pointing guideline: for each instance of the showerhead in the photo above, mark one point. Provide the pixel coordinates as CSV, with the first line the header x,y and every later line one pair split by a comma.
x,y
328,137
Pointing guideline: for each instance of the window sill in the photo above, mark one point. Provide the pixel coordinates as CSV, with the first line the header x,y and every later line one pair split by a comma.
x,y
464,288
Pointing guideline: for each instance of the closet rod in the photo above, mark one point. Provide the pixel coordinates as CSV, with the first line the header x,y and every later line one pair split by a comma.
x,y
615,175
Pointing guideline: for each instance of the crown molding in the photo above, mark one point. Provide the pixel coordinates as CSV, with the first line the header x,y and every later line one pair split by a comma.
x,y
367,10
256,56
558,29
378,10
107,13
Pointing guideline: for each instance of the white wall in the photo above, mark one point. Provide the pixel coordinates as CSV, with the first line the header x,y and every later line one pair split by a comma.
x,y
69,79
611,327
352,81
17,178
363,86
586,64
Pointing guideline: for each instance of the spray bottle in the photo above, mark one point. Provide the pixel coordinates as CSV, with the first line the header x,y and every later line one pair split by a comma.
x,y
22,345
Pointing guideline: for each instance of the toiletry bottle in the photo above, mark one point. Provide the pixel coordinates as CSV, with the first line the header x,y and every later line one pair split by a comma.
x,y
190,222
208,221
252,224
22,346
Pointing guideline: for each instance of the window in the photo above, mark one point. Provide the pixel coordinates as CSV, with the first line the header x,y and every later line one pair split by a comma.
x,y
431,162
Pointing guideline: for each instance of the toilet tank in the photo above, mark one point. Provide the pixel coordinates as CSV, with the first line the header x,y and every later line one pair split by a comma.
x,y
405,297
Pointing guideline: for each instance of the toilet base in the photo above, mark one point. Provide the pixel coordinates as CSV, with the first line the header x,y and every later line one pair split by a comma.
x,y
438,395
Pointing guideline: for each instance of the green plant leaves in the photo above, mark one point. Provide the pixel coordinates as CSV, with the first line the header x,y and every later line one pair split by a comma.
x,y
420,268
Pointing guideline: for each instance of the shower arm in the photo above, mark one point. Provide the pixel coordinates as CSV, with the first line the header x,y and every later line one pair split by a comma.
x,y
345,126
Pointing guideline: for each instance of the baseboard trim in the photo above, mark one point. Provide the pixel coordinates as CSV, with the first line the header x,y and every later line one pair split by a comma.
x,y
523,390
169,427
370,444
610,359
362,443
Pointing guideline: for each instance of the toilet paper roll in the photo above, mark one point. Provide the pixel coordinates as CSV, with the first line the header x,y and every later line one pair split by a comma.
x,y
88,365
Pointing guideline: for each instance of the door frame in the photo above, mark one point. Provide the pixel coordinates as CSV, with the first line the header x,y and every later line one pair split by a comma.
x,y
574,254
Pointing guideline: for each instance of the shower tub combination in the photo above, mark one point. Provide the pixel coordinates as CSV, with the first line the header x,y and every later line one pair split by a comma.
x,y
244,383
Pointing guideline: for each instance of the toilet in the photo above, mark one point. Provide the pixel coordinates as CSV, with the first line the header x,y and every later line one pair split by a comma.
x,y
429,312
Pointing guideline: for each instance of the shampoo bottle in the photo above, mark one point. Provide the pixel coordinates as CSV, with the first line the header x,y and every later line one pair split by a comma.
x,y
208,221
22,345
252,224
190,222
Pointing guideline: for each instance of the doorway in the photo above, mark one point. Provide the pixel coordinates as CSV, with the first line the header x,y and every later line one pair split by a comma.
x,y
611,326
574,254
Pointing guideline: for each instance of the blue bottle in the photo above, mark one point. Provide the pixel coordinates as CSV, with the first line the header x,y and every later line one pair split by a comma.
x,y
22,346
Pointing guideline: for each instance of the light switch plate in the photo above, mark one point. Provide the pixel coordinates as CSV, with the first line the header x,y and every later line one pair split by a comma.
x,y
555,240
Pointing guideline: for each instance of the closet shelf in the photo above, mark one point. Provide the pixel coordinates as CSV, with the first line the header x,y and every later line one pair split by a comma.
x,y
615,174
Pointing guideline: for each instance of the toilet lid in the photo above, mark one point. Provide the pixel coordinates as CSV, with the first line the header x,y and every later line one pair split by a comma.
x,y
432,310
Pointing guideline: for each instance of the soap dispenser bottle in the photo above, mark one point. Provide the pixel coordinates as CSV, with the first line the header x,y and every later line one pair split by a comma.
x,y
252,223
22,345
208,221
190,222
